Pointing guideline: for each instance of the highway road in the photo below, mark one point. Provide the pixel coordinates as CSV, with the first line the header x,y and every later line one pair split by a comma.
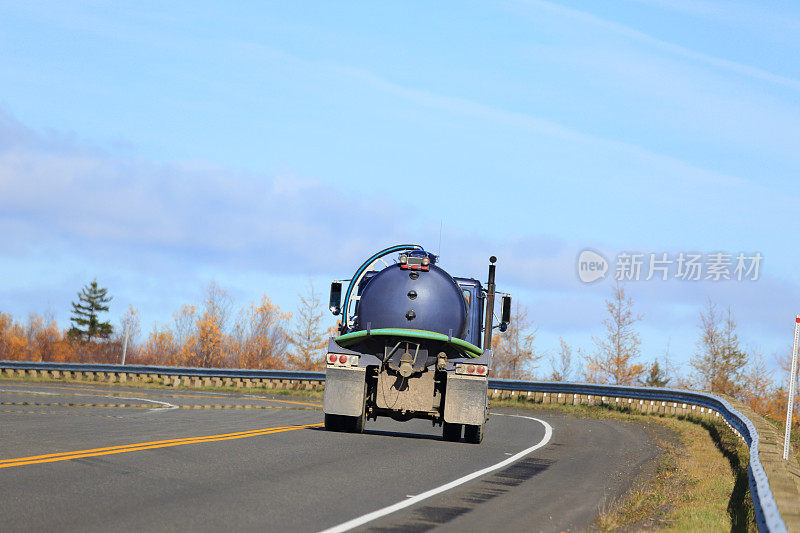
x,y
100,458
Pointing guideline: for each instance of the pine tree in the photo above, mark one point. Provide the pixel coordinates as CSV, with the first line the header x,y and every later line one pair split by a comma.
x,y
86,323
656,376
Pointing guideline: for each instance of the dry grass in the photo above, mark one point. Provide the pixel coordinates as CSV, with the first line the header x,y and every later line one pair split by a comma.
x,y
700,485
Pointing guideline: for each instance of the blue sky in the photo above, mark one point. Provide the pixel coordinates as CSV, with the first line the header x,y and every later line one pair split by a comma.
x,y
159,146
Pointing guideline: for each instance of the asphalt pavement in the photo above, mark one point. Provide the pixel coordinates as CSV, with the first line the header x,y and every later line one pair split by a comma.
x,y
102,458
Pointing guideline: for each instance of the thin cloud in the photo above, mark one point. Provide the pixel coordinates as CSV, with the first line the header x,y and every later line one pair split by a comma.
x,y
738,14
683,175
189,210
734,67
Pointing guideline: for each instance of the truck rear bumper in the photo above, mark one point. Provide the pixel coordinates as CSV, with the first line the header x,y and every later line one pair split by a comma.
x,y
465,399
344,390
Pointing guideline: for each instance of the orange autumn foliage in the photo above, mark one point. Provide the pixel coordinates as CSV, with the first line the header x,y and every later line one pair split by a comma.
x,y
207,338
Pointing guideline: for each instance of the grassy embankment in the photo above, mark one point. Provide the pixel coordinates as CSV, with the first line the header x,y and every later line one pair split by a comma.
x,y
699,483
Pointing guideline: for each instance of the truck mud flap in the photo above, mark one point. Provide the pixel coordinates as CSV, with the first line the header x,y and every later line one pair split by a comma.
x,y
344,391
465,400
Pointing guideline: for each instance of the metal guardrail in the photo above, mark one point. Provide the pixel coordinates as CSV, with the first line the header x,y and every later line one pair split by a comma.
x,y
768,516
301,375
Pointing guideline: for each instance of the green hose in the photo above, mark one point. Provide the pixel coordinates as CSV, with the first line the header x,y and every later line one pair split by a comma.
x,y
467,348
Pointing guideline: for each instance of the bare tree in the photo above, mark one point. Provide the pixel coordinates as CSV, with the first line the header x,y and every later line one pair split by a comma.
x,y
760,386
212,350
309,335
513,350
258,338
562,364
615,359
184,319
129,324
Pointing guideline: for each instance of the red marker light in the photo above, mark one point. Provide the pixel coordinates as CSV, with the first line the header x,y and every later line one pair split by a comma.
x,y
332,357
481,369
342,359
471,369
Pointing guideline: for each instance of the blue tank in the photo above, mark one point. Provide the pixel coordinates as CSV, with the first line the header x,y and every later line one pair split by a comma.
x,y
429,300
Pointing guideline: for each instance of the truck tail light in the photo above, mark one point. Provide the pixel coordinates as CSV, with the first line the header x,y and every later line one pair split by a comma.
x,y
480,370
342,359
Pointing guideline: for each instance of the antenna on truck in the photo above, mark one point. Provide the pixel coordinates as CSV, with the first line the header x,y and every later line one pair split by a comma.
x,y
439,249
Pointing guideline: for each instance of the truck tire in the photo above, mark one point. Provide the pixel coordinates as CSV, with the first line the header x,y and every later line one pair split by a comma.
x,y
333,422
473,434
355,424
451,432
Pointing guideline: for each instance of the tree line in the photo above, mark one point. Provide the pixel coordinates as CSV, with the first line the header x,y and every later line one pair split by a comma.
x,y
214,333
211,334
720,363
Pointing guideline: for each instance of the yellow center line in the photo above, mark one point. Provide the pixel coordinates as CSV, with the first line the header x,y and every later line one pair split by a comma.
x,y
65,456
239,433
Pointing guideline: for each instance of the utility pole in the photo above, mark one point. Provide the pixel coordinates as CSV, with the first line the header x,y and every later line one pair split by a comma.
x,y
792,382
125,343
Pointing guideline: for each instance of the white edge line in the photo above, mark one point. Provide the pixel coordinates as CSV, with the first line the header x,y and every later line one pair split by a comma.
x,y
369,517
167,408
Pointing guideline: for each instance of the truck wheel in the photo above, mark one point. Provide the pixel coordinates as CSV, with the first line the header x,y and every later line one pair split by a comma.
x,y
473,434
333,422
451,432
355,424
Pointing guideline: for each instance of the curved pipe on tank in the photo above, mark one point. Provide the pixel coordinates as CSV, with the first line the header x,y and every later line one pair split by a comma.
x,y
362,270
